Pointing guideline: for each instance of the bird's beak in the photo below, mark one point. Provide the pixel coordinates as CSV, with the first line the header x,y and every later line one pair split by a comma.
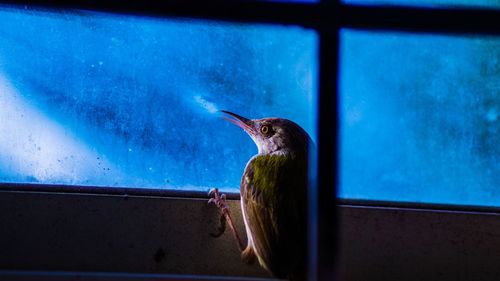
x,y
240,121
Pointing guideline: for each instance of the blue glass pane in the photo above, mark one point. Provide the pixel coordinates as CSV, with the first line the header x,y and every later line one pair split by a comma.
x,y
97,99
431,3
421,118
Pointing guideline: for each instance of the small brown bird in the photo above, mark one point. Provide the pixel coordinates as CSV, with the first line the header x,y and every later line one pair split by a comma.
x,y
273,192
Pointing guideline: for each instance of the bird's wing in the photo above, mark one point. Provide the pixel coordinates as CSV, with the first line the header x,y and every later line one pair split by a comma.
x,y
274,202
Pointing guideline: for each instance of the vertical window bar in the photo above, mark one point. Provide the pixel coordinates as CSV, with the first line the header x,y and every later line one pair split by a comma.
x,y
323,209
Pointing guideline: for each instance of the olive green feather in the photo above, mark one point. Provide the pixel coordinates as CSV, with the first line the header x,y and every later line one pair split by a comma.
x,y
274,196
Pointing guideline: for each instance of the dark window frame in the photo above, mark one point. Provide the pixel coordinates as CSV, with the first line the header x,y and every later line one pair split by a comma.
x,y
327,18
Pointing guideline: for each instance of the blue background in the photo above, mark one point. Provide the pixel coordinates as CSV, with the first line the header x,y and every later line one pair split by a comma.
x,y
420,118
96,99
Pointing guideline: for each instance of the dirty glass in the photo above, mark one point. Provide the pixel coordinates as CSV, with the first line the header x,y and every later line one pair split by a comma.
x,y
431,3
420,118
107,100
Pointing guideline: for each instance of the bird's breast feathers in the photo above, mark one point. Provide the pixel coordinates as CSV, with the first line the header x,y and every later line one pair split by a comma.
x,y
274,202
268,176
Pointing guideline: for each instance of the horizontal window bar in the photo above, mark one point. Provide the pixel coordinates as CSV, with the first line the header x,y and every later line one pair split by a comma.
x,y
418,206
281,13
103,190
126,191
310,15
477,21
95,276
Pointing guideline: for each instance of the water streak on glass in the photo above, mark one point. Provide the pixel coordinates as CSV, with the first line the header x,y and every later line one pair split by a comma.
x,y
96,99
420,118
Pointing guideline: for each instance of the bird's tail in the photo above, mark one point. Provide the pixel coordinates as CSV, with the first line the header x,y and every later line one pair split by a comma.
x,y
248,255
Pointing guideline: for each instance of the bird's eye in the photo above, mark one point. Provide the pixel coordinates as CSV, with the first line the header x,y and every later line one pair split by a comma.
x,y
264,129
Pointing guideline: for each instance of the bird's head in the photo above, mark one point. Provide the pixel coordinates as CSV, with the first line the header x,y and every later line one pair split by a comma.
x,y
273,135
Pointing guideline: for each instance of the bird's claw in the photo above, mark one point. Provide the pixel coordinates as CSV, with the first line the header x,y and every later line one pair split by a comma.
x,y
213,191
218,200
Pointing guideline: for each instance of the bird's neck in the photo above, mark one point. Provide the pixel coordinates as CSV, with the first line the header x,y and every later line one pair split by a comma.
x,y
280,152
286,152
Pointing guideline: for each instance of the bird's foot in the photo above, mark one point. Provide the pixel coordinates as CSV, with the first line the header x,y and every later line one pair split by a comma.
x,y
218,199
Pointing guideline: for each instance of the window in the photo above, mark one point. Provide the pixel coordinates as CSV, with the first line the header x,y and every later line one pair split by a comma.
x,y
421,113
152,232
92,102
107,100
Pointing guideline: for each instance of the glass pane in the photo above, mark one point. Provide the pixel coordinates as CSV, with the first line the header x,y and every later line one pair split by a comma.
x,y
421,118
431,3
97,99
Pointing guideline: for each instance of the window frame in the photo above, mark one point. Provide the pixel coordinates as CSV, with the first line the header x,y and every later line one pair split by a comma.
x,y
327,18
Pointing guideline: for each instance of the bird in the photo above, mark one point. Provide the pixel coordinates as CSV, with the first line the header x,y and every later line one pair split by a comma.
x,y
273,191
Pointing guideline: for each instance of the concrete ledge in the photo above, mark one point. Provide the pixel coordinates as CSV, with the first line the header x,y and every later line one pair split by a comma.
x,y
139,235
110,233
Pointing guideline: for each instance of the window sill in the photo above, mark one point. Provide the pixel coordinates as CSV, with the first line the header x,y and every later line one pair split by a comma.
x,y
153,235
79,232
